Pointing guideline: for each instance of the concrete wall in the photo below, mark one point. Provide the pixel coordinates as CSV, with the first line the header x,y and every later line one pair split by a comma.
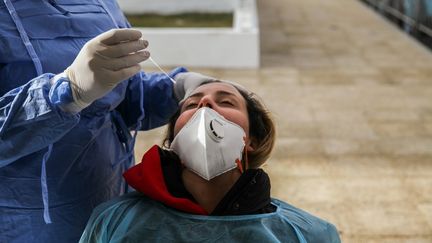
x,y
236,47
221,48
176,6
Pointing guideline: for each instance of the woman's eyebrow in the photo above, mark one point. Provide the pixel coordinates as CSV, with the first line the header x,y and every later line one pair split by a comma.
x,y
191,97
225,93
195,95
218,93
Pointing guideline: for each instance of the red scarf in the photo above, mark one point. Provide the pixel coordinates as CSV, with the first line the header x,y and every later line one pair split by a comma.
x,y
147,177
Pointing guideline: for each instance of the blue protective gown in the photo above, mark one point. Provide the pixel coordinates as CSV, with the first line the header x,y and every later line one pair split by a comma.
x,y
136,218
56,167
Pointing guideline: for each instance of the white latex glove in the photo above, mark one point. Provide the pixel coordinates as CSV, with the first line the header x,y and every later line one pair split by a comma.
x,y
105,61
187,82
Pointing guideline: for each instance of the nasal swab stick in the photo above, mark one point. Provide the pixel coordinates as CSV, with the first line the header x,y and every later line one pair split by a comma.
x,y
157,65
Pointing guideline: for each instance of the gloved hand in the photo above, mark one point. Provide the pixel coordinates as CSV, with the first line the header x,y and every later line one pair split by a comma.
x,y
187,82
105,61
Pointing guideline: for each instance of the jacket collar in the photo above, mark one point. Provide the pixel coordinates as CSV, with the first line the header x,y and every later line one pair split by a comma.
x,y
158,176
147,177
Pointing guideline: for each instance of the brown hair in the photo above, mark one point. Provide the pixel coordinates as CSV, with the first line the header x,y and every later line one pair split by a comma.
x,y
261,128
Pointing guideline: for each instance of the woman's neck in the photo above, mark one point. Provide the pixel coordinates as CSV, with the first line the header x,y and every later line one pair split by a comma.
x,y
209,193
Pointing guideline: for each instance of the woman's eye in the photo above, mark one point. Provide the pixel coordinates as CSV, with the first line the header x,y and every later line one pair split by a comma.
x,y
191,105
227,102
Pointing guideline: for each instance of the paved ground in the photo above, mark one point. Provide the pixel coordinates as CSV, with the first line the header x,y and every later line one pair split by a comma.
x,y
352,99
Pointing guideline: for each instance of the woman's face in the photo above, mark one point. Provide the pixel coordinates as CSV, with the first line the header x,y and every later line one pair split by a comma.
x,y
221,97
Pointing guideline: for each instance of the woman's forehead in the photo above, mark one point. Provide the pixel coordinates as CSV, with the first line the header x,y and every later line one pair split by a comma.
x,y
216,86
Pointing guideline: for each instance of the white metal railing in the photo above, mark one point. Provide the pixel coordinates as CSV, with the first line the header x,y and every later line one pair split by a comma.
x,y
417,14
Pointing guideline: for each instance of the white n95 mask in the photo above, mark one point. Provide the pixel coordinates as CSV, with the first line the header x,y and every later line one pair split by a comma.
x,y
209,144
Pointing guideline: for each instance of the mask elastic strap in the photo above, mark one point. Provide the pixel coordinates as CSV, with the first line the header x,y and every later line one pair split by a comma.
x,y
240,164
246,161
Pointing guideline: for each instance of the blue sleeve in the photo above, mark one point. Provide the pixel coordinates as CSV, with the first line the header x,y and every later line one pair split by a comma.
x,y
333,234
112,218
322,231
29,121
152,92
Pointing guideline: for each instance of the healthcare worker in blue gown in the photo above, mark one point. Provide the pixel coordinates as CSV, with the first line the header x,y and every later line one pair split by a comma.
x,y
205,183
71,90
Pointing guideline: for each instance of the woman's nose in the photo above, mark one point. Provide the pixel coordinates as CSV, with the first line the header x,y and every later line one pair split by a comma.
x,y
206,101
